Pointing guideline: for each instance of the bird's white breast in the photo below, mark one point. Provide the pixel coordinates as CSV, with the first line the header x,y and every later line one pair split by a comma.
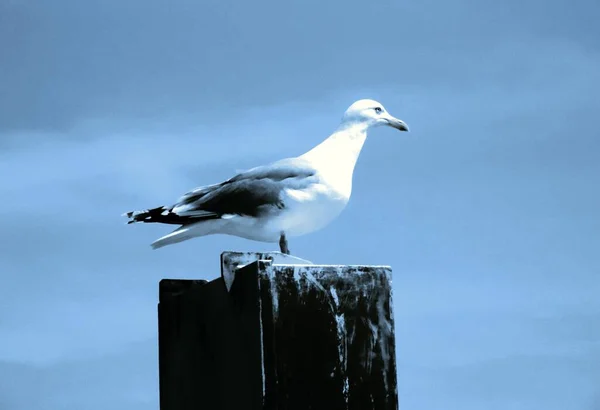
x,y
309,209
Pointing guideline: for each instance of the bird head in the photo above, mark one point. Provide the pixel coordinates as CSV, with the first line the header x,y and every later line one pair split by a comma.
x,y
372,114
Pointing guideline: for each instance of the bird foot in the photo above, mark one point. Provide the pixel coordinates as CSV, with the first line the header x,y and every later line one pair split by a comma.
x,y
283,244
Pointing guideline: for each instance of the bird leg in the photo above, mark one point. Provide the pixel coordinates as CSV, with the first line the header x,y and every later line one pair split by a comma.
x,y
283,244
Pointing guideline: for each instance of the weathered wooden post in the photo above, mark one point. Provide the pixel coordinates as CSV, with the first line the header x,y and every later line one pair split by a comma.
x,y
278,333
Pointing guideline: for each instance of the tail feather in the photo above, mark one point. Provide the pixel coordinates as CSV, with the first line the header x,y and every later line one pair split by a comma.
x,y
192,225
178,235
183,233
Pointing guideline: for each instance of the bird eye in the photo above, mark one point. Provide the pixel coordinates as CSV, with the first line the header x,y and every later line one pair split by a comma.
x,y
378,110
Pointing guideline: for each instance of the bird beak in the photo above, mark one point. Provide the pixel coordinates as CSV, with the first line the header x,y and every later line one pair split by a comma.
x,y
396,123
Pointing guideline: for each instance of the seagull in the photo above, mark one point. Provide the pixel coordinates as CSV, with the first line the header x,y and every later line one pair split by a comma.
x,y
287,198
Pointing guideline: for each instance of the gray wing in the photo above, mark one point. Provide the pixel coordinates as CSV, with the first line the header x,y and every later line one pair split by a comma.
x,y
250,193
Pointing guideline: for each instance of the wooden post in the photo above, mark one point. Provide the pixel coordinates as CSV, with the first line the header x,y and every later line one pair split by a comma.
x,y
269,335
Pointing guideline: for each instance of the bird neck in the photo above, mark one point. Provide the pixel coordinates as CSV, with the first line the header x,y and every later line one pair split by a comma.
x,y
342,147
336,157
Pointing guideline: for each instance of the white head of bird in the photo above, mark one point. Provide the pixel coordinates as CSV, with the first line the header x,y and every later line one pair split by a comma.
x,y
371,113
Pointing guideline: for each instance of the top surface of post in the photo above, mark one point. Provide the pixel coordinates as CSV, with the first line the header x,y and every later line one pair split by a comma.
x,y
231,261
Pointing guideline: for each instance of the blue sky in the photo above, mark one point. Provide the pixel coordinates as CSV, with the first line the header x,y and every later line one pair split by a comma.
x,y
487,211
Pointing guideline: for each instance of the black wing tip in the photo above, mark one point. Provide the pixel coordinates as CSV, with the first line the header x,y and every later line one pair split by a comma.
x,y
132,216
159,214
